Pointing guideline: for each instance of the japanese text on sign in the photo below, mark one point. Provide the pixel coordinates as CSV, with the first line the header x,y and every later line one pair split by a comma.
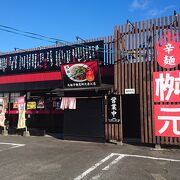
x,y
167,86
49,59
167,120
113,108
168,51
80,75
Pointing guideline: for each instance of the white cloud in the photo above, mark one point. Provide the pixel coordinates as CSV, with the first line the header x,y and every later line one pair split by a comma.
x,y
139,5
158,12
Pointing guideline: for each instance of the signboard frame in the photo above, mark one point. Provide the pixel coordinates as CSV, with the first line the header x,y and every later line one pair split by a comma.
x,y
50,59
113,108
81,75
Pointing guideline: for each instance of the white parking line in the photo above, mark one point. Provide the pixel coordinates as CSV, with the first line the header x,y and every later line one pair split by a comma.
x,y
13,145
113,162
120,156
93,167
148,157
96,176
157,177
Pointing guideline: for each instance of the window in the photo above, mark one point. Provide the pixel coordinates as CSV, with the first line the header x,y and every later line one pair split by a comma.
x,y
14,96
5,95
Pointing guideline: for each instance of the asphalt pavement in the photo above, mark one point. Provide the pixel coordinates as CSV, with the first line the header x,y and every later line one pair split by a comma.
x,y
49,158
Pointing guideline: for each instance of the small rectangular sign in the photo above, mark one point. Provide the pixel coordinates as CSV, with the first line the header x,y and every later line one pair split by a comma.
x,y
129,91
31,105
113,108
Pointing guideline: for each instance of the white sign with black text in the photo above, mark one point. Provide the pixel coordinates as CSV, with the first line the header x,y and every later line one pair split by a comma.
x,y
129,91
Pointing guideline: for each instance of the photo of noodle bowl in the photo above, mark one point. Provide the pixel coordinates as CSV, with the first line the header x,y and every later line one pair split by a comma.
x,y
77,72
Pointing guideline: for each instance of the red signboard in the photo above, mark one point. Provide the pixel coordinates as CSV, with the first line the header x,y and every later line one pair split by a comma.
x,y
166,86
78,75
168,51
167,120
33,77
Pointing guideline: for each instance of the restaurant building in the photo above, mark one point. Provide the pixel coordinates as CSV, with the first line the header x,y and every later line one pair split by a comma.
x,y
64,89
120,88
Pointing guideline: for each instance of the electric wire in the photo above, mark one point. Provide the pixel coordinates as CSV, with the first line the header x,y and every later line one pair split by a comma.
x,y
34,34
41,37
13,32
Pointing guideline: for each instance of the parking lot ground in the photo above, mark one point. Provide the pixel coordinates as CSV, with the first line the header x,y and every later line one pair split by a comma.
x,y
49,158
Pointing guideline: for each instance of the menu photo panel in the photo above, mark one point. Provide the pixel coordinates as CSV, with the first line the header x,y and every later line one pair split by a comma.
x,y
81,75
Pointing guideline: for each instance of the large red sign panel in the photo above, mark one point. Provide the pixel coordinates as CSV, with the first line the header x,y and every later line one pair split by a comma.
x,y
167,120
166,86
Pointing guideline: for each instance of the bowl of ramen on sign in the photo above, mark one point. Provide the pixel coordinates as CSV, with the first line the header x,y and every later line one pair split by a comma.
x,y
81,73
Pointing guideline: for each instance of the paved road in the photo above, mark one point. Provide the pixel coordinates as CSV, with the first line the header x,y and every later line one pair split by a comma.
x,y
48,158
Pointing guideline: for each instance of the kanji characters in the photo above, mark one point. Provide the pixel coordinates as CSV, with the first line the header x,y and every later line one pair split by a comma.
x,y
168,51
113,99
169,60
167,86
113,113
167,120
168,48
113,108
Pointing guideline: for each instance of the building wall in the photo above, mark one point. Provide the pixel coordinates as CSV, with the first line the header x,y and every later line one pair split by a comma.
x,y
135,61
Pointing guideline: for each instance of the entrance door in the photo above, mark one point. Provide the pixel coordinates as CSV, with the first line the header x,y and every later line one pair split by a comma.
x,y
131,117
86,122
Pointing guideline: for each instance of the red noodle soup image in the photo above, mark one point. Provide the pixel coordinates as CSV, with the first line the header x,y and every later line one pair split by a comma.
x,y
79,72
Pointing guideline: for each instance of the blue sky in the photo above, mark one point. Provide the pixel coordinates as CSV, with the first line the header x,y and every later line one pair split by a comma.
x,y
65,19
